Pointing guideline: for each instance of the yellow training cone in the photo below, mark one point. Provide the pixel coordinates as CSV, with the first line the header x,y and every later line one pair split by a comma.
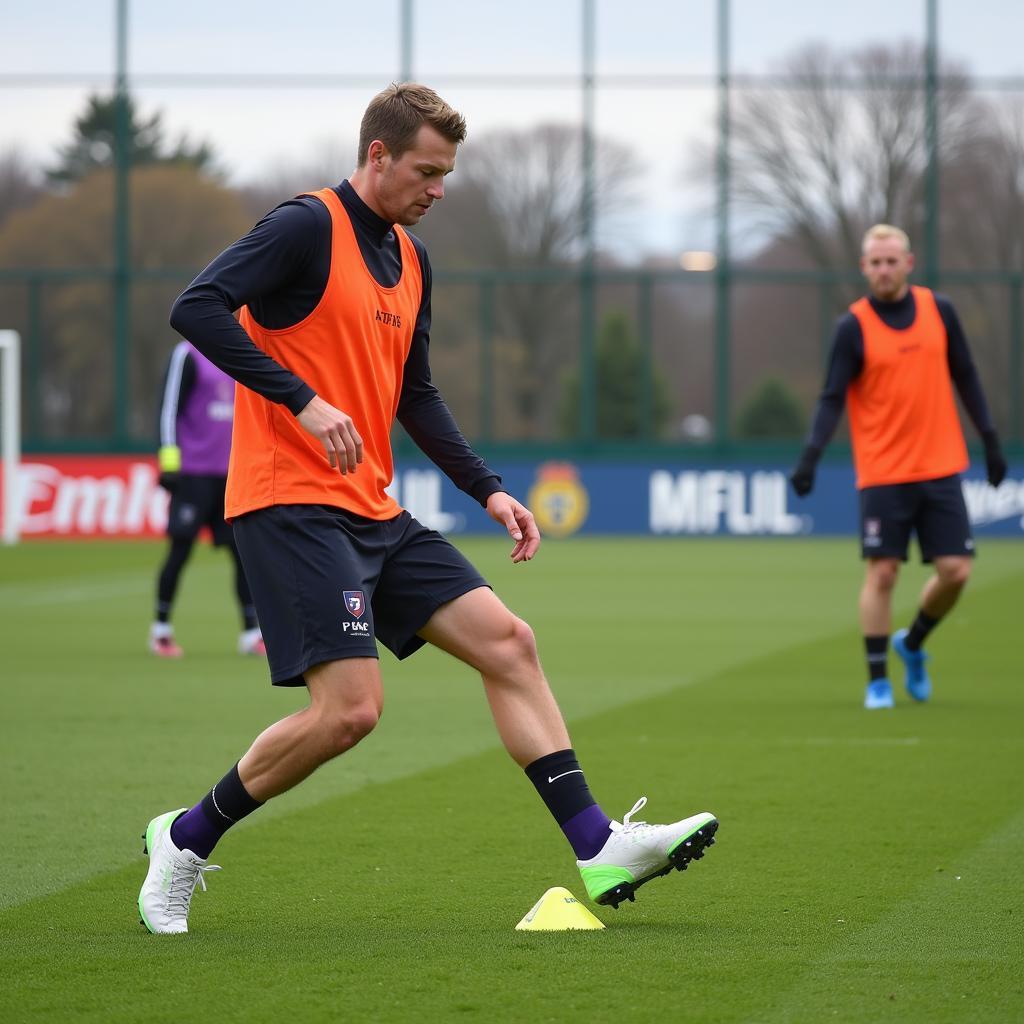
x,y
558,911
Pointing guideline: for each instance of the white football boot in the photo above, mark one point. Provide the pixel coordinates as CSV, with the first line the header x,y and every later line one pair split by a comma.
x,y
172,878
162,642
250,641
636,852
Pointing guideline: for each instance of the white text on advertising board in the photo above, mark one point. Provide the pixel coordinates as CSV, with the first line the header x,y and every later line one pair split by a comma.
x,y
721,501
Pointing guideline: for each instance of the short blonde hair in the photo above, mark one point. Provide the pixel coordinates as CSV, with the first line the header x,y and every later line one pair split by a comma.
x,y
395,115
886,231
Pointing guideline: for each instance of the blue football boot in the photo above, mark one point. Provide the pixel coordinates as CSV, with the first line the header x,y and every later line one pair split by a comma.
x,y
918,685
878,695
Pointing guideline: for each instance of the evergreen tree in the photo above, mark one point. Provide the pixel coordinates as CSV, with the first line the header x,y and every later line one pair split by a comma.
x,y
772,411
95,135
620,378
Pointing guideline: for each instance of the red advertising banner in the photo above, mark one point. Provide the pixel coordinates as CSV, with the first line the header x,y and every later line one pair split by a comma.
x,y
101,496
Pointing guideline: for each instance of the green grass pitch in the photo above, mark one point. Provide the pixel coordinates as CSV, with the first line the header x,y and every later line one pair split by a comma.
x,y
870,866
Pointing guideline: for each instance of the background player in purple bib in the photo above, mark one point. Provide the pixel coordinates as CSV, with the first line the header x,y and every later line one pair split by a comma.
x,y
195,442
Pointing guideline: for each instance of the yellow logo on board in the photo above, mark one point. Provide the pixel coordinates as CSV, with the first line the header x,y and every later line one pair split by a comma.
x,y
558,500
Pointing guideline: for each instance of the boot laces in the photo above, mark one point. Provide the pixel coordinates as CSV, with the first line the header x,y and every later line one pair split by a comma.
x,y
627,824
184,879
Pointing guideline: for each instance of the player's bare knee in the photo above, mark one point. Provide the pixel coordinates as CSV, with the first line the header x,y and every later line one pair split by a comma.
x,y
883,574
361,721
512,653
955,573
343,730
522,643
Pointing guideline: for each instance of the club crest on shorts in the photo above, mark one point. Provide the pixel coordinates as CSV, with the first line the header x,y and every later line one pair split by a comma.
x,y
354,602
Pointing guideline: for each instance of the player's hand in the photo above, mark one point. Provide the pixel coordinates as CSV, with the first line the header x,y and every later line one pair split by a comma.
x,y
995,461
169,481
802,478
518,520
335,430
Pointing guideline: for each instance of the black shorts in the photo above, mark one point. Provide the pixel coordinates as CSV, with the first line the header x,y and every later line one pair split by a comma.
x,y
328,584
198,501
933,509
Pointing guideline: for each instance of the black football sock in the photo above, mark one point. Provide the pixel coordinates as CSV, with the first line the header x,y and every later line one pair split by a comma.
x,y
563,788
876,647
200,828
919,629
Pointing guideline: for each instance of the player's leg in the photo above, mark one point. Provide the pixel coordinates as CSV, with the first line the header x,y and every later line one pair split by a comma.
x,y
478,629
943,589
875,600
944,531
295,558
250,640
614,858
429,592
345,705
345,702
161,632
184,520
886,518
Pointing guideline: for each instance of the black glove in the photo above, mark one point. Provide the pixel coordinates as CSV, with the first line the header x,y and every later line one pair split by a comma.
x,y
995,461
169,481
802,478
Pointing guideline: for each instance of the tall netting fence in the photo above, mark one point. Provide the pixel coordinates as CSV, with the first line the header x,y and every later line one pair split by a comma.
x,y
653,226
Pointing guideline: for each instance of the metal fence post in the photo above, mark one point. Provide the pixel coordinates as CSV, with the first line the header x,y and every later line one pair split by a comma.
x,y
34,358
406,15
646,342
723,270
588,312
487,301
1016,381
122,233
931,84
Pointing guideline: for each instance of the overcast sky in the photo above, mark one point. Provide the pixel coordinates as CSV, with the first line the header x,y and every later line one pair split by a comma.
x,y
255,129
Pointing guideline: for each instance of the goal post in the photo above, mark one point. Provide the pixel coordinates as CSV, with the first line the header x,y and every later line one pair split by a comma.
x,y
10,430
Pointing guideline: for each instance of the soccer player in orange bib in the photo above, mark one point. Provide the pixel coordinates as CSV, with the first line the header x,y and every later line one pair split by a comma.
x,y
330,348
895,357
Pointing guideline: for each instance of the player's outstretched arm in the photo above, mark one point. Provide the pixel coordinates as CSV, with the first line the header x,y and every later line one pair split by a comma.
x,y
802,477
519,522
335,430
995,460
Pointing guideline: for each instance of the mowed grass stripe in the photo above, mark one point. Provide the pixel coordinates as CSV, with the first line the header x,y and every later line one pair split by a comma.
x,y
399,900
948,950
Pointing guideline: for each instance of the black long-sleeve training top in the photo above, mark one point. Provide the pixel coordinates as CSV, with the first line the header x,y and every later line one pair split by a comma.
x,y
847,360
280,270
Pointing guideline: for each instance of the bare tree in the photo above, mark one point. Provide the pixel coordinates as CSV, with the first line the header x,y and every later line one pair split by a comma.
x,y
517,207
983,229
842,145
20,183
988,233
327,164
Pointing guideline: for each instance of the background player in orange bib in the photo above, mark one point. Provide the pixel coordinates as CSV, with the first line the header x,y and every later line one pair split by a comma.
x,y
895,357
330,348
